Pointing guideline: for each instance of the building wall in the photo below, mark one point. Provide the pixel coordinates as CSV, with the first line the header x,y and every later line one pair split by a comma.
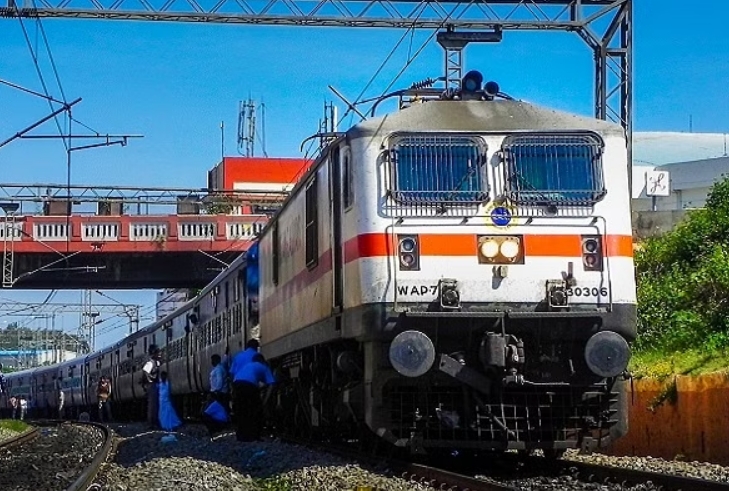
x,y
256,173
690,183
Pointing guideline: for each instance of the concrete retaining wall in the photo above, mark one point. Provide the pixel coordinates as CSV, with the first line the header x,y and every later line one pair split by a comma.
x,y
652,223
684,417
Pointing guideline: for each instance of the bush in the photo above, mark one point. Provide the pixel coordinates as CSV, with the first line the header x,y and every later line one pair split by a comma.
x,y
683,281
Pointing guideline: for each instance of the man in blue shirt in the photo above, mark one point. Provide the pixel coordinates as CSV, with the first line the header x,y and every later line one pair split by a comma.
x,y
244,356
247,402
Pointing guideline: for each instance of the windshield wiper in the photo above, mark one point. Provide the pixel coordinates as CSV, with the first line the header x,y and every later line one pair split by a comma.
x,y
468,174
547,201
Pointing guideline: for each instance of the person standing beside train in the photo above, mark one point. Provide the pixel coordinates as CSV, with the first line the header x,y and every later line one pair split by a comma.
x,y
218,381
60,397
150,383
247,402
103,394
23,405
14,406
244,356
241,359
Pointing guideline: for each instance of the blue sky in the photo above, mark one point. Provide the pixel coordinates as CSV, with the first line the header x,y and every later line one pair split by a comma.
x,y
175,83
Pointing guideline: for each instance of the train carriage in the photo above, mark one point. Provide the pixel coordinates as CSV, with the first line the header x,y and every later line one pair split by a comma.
x,y
457,274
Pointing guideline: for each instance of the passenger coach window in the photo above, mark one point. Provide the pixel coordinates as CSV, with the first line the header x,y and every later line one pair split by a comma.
x,y
312,225
438,169
554,169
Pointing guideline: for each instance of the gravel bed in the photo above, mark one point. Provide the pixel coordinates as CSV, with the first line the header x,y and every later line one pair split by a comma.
x,y
699,470
50,462
536,480
193,462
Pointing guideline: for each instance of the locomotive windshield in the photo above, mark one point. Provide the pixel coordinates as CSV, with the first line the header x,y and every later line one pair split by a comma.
x,y
438,169
557,169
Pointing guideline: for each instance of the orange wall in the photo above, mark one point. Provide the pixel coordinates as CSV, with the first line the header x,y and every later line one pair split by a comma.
x,y
695,424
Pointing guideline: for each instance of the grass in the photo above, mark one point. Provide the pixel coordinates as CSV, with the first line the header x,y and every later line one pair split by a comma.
x,y
662,365
273,484
13,425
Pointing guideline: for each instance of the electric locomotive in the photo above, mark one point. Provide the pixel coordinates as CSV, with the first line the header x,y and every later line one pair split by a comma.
x,y
457,274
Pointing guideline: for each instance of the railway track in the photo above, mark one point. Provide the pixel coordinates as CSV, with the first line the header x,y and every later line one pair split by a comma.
x,y
54,455
26,436
434,477
631,477
578,475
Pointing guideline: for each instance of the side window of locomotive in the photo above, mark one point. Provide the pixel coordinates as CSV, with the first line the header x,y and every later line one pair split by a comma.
x,y
561,170
438,169
312,225
348,184
275,254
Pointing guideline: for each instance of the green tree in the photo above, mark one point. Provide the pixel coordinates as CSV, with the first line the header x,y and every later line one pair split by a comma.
x,y
683,281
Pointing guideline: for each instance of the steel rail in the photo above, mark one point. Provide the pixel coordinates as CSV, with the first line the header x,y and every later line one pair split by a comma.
x,y
26,436
666,482
85,480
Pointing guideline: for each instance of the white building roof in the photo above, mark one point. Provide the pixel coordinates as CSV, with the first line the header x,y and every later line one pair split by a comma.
x,y
660,148
693,160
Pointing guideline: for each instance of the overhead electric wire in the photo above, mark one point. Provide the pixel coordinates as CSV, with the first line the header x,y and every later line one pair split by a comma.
x,y
48,298
50,55
387,58
422,47
42,80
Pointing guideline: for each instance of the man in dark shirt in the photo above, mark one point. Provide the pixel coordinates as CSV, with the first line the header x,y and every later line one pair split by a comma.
x,y
247,402
150,383
103,394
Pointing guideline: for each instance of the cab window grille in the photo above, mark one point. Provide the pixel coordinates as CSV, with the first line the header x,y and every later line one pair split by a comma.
x,y
438,169
554,169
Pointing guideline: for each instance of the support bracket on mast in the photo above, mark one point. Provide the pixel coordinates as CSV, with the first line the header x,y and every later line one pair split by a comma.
x,y
453,43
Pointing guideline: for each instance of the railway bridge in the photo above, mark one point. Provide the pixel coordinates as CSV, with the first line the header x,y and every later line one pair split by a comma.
x,y
74,237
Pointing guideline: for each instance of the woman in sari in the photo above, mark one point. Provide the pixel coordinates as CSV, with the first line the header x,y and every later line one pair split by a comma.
x,y
167,416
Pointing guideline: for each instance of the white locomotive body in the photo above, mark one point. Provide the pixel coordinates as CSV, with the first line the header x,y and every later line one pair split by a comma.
x,y
457,274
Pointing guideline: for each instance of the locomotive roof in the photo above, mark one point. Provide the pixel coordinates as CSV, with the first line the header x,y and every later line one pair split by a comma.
x,y
480,116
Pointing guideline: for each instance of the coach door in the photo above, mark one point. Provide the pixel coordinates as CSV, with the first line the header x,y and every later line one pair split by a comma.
x,y
337,263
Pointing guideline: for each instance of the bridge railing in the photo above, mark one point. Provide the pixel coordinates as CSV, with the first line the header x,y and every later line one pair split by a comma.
x,y
133,232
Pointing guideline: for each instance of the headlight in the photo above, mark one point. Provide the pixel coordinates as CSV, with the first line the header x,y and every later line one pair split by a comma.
x,y
500,249
489,248
510,249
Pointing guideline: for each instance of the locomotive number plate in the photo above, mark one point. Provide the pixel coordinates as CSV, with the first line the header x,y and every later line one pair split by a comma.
x,y
586,292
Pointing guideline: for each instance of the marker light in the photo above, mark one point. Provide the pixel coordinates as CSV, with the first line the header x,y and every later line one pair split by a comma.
x,y
408,251
510,248
592,253
489,248
407,245
407,260
472,81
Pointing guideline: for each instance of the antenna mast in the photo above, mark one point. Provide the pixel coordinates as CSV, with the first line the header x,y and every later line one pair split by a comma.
x,y
247,127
